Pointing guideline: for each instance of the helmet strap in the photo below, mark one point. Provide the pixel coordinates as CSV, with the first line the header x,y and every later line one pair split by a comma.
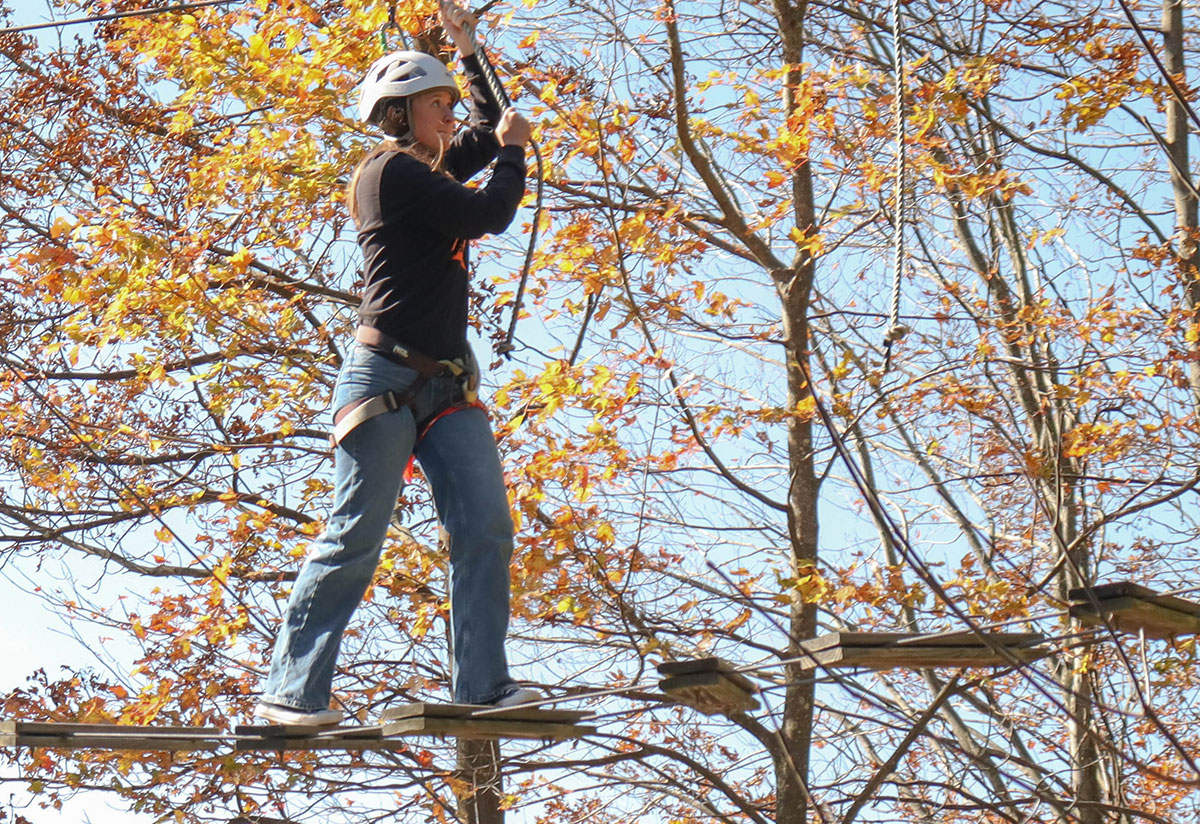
x,y
396,122
408,135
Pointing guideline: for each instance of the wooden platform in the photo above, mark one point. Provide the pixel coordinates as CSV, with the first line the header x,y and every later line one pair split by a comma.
x,y
1133,608
397,724
887,650
280,737
709,685
471,721
62,735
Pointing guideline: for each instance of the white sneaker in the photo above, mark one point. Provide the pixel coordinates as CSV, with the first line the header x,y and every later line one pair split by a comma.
x,y
518,696
278,714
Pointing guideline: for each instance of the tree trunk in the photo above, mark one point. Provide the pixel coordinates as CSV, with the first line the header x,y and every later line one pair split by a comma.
x,y
1187,237
482,783
1087,781
794,287
803,487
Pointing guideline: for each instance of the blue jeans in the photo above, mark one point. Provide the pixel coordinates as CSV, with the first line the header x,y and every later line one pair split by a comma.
x,y
458,456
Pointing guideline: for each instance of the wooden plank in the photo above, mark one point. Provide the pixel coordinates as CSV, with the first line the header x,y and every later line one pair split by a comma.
x,y
712,692
918,657
1113,589
916,639
72,728
101,742
429,719
307,731
68,735
482,728
888,650
293,737
698,665
1128,589
482,711
1133,615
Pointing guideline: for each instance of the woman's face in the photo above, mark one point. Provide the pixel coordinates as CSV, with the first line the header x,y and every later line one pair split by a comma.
x,y
433,122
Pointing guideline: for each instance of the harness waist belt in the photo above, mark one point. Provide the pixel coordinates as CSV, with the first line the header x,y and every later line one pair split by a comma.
x,y
357,412
427,366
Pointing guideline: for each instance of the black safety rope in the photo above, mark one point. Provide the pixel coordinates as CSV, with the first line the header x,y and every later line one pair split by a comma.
x,y
506,346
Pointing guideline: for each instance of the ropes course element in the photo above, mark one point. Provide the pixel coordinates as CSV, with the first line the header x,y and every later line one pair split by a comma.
x,y
891,532
1136,609
891,529
506,347
396,724
443,719
896,330
117,15
709,685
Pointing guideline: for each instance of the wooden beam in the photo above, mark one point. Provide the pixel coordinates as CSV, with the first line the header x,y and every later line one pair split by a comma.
x,y
1134,609
531,713
67,735
282,737
708,685
887,650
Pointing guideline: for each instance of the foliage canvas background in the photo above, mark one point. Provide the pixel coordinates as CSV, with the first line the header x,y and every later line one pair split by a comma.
x,y
180,284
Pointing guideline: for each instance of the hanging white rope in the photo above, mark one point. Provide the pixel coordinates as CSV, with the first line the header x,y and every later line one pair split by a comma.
x,y
896,330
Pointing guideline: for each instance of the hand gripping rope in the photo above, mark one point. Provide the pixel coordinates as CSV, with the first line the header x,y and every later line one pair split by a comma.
x,y
506,347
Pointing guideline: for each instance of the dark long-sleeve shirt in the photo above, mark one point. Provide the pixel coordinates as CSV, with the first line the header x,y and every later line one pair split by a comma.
x,y
415,225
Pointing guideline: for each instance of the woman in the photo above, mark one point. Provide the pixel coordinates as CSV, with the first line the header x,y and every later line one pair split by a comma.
x,y
404,377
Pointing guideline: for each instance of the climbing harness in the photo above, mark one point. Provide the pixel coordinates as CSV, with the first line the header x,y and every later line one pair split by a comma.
x,y
506,347
356,413
896,330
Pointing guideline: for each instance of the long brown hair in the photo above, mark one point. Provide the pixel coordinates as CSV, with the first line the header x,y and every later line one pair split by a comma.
x,y
393,123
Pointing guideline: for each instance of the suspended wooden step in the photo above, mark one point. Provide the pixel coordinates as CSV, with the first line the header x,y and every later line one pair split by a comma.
x,y
709,685
397,723
1133,608
887,650
65,735
473,721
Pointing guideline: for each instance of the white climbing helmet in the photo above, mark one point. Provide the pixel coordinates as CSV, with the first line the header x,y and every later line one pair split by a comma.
x,y
403,74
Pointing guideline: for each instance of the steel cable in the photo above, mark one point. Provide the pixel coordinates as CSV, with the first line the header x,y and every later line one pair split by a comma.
x,y
117,15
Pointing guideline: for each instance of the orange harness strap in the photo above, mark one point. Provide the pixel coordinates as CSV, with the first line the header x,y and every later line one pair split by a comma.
x,y
449,410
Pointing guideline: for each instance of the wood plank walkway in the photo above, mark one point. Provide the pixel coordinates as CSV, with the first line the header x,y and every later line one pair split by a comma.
x,y
65,735
1135,609
710,685
888,650
397,724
